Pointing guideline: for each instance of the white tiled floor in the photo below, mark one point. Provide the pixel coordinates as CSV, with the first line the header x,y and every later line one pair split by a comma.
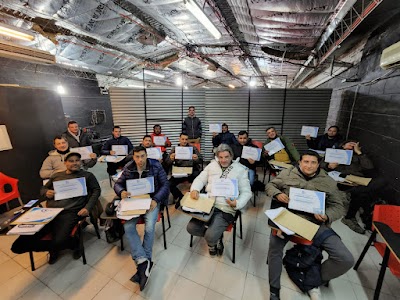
x,y
181,272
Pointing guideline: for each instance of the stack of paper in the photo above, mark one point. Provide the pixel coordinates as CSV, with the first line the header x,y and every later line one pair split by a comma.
x,y
37,215
179,172
25,229
280,164
203,204
133,207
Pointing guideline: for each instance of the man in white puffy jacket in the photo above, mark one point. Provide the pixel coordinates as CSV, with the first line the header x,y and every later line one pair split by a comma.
x,y
224,209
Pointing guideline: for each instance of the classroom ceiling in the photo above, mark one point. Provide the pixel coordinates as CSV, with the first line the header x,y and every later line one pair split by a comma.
x,y
266,42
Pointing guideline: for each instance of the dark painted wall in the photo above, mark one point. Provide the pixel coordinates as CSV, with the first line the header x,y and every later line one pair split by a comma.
x,y
370,108
81,97
33,117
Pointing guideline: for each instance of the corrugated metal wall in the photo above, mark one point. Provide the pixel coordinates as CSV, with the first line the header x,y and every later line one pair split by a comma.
x,y
164,107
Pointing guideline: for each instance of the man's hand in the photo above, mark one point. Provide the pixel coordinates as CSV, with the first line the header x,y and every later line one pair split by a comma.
x,y
321,218
172,156
93,155
195,157
266,152
251,161
308,137
231,202
194,195
112,152
357,148
332,166
83,212
125,195
50,194
153,205
282,198
215,134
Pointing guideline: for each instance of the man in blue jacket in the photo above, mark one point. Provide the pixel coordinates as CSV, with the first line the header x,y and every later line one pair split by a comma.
x,y
225,137
117,139
142,167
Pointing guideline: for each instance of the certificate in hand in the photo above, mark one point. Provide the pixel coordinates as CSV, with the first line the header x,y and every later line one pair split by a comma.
x,y
184,153
140,186
274,146
342,157
83,151
159,140
154,153
251,152
215,128
307,201
309,130
225,187
70,188
120,149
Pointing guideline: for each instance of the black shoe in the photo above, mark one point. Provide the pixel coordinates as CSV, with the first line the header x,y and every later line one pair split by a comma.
x,y
178,202
212,250
220,247
144,270
53,256
77,254
135,278
274,296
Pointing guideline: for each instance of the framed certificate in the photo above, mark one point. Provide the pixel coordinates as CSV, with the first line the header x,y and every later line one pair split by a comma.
x,y
307,201
83,151
184,153
274,146
215,128
251,152
309,130
342,157
70,188
154,153
225,187
120,149
140,186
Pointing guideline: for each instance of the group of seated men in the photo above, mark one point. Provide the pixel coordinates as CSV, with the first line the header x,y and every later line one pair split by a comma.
x,y
308,172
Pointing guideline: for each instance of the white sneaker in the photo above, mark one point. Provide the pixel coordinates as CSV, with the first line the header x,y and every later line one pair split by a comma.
x,y
315,293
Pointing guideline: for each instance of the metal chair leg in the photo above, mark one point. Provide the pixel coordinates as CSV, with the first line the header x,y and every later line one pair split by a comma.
x,y
382,273
367,245
163,229
32,261
234,243
191,241
240,226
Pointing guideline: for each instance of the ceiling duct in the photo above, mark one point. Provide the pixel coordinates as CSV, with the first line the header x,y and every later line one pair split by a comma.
x,y
149,39
18,52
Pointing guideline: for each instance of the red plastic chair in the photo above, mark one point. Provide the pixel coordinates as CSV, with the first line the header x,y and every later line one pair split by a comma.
x,y
14,194
389,215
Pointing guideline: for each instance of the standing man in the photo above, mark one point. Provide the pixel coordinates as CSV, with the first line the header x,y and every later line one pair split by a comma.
x,y
142,167
195,163
74,209
307,175
331,139
243,139
75,137
117,139
287,155
192,126
225,137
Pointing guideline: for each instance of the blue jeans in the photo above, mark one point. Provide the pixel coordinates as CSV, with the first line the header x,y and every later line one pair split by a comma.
x,y
140,251
252,176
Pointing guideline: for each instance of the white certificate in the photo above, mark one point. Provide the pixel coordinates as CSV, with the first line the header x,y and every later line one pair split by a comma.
x,y
225,187
274,146
159,140
120,149
342,157
309,130
215,128
154,153
251,152
70,188
184,153
307,201
83,151
114,158
335,175
140,186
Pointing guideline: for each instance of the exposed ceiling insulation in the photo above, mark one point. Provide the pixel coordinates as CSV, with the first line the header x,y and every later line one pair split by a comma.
x,y
269,41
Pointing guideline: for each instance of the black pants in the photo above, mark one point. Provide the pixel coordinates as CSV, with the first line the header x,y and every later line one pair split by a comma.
x,y
60,229
173,183
364,196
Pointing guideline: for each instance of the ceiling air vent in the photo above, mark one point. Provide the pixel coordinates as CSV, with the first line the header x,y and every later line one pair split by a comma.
x,y
391,56
18,52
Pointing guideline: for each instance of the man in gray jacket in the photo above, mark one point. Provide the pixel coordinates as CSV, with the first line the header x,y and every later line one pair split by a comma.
x,y
307,175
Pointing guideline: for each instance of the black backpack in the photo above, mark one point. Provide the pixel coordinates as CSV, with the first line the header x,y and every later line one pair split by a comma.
x,y
303,263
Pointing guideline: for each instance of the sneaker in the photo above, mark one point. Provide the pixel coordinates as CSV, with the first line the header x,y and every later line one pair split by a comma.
x,y
220,247
353,225
274,296
144,270
53,256
315,293
212,250
178,202
135,278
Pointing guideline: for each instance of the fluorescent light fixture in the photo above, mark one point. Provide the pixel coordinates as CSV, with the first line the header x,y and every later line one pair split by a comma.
x,y
109,72
205,87
136,86
198,13
60,89
231,86
252,82
179,81
151,73
186,87
15,32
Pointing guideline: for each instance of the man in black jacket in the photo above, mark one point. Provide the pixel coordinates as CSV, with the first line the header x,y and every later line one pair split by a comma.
x,y
331,139
192,126
75,137
225,137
